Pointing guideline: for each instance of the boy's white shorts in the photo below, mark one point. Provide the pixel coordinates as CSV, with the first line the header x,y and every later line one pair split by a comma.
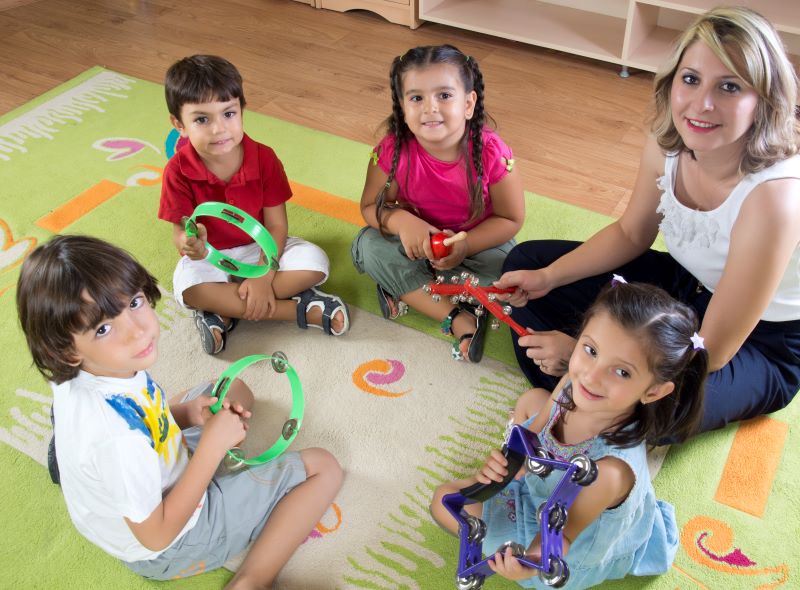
x,y
297,255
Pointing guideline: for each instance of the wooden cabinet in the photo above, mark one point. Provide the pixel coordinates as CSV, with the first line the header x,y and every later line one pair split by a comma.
x,y
631,33
402,12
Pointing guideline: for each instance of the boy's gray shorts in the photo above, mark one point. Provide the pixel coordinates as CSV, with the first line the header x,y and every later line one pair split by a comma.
x,y
237,506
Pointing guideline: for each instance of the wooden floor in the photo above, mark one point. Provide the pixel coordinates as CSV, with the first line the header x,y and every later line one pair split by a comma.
x,y
575,126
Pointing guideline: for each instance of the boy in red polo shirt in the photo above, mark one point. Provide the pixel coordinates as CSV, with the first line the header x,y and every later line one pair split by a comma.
x,y
220,163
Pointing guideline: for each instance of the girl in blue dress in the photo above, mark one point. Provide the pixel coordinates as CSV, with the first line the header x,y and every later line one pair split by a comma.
x,y
635,377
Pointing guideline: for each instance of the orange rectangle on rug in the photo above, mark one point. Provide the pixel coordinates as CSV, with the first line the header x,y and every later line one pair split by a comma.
x,y
78,206
326,203
753,459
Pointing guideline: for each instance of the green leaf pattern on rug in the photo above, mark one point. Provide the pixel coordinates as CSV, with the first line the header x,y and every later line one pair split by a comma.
x,y
417,550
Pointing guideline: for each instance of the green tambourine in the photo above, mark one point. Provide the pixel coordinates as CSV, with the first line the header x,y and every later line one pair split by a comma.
x,y
290,428
249,225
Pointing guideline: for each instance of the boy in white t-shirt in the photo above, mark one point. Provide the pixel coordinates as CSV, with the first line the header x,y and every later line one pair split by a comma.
x,y
129,481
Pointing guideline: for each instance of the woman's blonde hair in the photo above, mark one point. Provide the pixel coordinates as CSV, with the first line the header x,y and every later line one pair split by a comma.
x,y
748,45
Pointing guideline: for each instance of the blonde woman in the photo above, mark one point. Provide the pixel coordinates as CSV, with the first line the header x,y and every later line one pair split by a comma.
x,y
720,178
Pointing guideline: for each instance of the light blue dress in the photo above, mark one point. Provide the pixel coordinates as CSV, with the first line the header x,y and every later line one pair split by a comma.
x,y
639,537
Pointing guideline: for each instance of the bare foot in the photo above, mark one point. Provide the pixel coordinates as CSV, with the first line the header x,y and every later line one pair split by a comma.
x,y
218,335
314,316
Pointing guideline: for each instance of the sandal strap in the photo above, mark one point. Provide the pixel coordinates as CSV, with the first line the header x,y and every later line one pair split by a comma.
x,y
303,299
475,349
329,304
208,323
465,336
447,323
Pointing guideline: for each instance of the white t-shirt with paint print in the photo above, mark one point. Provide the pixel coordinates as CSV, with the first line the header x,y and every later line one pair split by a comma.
x,y
119,451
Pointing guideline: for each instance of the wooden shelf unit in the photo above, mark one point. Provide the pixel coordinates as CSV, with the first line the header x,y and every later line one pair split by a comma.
x,y
631,33
401,12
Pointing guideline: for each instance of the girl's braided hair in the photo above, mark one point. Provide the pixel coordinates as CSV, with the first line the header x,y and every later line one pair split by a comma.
x,y
395,124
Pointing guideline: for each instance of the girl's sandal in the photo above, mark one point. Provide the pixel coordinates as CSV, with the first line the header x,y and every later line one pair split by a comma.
x,y
475,349
391,308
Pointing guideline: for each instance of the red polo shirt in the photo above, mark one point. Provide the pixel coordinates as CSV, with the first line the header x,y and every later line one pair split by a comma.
x,y
260,182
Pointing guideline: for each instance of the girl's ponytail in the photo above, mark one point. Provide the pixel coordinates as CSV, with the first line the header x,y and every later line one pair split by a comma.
x,y
396,126
475,132
688,402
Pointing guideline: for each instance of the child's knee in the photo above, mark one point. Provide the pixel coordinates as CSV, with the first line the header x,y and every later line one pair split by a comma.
x,y
321,462
318,277
194,296
240,393
437,509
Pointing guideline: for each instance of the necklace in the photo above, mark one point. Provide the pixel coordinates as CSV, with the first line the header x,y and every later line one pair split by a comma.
x,y
560,450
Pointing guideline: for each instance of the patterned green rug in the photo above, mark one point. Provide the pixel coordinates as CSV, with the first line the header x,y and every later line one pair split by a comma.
x,y
86,158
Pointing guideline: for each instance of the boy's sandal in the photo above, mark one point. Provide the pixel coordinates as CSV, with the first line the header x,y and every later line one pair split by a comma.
x,y
330,306
391,308
475,349
208,324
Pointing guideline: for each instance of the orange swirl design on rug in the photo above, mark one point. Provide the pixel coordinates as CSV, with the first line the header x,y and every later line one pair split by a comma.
x,y
709,542
372,376
320,529
324,529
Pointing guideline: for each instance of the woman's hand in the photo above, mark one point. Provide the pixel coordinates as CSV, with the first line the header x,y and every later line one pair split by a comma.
x,y
550,351
527,285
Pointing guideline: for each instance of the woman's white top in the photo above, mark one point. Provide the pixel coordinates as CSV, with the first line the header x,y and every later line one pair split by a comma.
x,y
700,240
